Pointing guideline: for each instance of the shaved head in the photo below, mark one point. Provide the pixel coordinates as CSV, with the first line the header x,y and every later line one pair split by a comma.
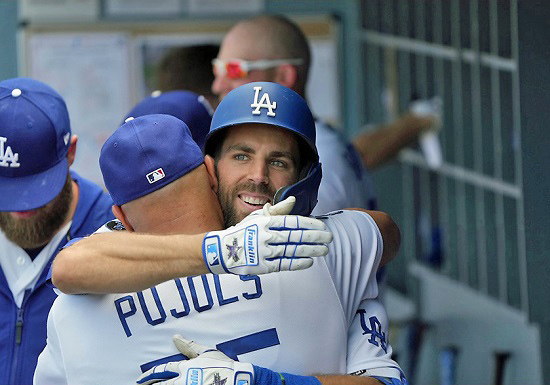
x,y
274,37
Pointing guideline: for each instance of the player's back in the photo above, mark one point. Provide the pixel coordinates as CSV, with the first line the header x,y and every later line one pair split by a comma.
x,y
275,321
282,321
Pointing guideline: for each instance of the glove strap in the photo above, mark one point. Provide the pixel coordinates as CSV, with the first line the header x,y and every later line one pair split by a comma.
x,y
265,376
391,381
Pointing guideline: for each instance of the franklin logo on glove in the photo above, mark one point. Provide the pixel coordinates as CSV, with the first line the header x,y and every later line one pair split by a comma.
x,y
251,244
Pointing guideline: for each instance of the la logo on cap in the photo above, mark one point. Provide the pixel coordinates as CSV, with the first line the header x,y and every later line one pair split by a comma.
x,y
7,157
264,102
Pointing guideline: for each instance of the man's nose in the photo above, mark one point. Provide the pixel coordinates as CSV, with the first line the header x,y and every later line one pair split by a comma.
x,y
258,172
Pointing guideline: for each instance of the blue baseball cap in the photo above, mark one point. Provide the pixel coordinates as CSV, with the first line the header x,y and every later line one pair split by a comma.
x,y
35,136
145,154
191,108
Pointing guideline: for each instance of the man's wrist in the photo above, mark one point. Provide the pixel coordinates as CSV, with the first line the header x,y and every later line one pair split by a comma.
x,y
212,253
265,376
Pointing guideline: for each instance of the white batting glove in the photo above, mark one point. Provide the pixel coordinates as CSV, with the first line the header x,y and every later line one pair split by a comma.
x,y
205,366
281,208
264,243
428,139
429,108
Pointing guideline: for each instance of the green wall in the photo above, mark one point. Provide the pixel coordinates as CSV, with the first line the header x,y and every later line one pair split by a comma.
x,y
8,33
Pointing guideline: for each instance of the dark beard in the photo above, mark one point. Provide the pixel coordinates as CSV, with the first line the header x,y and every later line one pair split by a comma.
x,y
37,231
230,215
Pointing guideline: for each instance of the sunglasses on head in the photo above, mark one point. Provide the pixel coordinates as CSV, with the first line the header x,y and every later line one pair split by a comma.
x,y
238,69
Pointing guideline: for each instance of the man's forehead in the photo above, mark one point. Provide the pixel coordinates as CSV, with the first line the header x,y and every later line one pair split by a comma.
x,y
255,134
242,44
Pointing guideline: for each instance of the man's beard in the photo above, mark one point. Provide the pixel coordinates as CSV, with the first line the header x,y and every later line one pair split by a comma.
x,y
227,199
31,233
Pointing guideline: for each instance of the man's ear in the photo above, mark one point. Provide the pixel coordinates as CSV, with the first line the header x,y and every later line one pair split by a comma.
x,y
286,75
211,169
71,154
119,214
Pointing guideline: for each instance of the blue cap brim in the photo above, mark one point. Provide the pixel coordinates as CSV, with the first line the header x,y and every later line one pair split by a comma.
x,y
32,191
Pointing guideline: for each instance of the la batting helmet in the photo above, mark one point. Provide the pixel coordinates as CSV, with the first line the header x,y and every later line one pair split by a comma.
x,y
275,105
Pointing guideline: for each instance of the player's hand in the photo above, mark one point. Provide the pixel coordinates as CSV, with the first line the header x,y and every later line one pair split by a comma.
x,y
428,139
429,108
205,366
282,208
266,242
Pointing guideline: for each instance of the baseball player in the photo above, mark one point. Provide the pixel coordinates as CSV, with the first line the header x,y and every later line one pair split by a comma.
x,y
161,186
248,129
285,321
43,204
272,48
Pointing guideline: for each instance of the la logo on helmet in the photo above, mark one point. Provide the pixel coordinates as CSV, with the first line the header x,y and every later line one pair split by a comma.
x,y
264,102
7,155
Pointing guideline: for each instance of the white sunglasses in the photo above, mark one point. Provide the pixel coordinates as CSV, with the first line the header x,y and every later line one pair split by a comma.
x,y
238,69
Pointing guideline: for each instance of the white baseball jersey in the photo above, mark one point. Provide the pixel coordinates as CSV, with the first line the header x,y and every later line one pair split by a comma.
x,y
346,182
301,322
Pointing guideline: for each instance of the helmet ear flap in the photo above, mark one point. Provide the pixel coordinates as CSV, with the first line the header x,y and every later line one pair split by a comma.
x,y
305,191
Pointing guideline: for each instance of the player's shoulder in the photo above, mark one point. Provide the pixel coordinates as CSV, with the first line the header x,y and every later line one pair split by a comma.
x,y
327,130
358,217
331,214
112,225
342,213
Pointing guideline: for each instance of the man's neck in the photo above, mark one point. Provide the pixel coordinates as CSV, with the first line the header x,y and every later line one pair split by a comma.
x,y
33,253
74,202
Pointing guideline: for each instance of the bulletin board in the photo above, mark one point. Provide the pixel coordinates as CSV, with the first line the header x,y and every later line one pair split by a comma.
x,y
98,68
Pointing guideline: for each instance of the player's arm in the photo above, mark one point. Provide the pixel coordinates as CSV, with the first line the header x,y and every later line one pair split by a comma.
x,y
369,352
126,262
382,143
348,380
391,235
207,364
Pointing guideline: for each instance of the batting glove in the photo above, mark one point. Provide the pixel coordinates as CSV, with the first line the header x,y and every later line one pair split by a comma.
x,y
429,108
429,140
282,208
205,366
266,242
